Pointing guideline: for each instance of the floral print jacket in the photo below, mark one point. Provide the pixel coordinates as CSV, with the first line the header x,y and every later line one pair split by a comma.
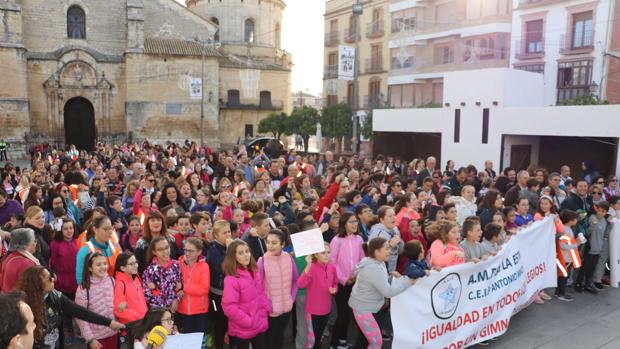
x,y
165,278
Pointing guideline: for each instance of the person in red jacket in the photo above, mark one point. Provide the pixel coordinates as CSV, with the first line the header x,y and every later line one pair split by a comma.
x,y
194,306
129,302
23,246
329,197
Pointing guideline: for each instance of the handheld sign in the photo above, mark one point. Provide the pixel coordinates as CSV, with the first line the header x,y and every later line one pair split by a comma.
x,y
308,242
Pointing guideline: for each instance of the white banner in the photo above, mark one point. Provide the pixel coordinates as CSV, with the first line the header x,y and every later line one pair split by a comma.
x,y
614,254
469,303
346,62
195,88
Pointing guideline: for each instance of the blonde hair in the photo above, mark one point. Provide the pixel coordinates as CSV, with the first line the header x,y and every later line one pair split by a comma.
x,y
439,230
219,226
32,211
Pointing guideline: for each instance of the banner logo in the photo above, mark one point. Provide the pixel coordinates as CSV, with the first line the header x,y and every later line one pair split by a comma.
x,y
446,295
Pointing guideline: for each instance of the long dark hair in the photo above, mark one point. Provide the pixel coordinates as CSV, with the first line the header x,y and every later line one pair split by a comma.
x,y
342,231
151,319
121,261
31,283
150,253
488,201
230,265
163,200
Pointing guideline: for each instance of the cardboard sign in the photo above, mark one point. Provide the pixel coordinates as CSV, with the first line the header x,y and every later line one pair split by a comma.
x,y
308,242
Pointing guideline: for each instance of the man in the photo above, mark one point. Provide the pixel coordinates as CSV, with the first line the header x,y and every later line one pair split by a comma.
x,y
244,165
560,195
3,146
564,176
579,200
16,323
488,168
8,207
455,184
428,171
115,185
513,193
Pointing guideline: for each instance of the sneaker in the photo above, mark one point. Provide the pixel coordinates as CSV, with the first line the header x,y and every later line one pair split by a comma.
x,y
600,286
591,289
565,297
483,343
578,288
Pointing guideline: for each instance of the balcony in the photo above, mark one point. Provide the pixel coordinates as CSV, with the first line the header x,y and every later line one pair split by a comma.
x,y
568,93
578,45
332,39
525,4
349,35
374,65
529,50
253,104
373,101
375,29
330,71
403,25
399,63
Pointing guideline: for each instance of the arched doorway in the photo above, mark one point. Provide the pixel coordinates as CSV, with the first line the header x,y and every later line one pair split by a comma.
x,y
80,123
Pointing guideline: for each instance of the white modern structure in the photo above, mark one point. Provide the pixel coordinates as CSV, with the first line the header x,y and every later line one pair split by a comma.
x,y
501,115
565,41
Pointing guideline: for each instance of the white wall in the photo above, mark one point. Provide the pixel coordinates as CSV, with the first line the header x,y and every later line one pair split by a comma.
x,y
556,26
571,121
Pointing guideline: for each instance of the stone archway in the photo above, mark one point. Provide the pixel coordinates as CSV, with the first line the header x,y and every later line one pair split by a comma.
x,y
79,122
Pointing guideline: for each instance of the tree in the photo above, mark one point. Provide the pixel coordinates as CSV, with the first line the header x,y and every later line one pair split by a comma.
x,y
274,123
302,122
336,121
366,130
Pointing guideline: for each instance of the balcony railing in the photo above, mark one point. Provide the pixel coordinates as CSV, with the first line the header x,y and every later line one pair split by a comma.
x,y
253,104
373,101
349,35
402,63
529,50
567,93
330,71
332,39
403,24
579,44
374,29
374,65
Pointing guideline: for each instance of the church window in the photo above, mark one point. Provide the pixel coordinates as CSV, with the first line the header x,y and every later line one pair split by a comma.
x,y
76,23
250,35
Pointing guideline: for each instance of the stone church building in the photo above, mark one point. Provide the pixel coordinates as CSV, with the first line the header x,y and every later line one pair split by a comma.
x,y
77,71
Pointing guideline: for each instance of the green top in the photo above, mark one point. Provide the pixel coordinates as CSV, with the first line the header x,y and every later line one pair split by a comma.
x,y
301,264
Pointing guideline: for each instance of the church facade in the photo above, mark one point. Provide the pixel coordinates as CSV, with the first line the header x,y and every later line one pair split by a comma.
x,y
78,71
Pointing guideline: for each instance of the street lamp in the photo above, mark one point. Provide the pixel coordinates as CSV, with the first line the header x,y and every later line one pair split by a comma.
x,y
357,10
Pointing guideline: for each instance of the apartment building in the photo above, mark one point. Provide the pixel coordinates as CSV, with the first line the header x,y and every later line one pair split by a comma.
x,y
566,41
429,38
340,24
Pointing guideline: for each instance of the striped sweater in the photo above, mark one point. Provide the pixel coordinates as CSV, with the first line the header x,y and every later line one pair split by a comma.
x,y
98,299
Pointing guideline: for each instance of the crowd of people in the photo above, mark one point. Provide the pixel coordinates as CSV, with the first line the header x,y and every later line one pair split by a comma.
x,y
103,246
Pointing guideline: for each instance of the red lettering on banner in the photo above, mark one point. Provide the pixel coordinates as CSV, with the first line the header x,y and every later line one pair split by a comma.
x,y
443,328
535,272
487,311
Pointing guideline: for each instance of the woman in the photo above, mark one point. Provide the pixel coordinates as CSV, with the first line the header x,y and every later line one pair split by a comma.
x,y
154,226
304,189
100,241
23,245
171,196
215,257
53,201
35,196
129,195
346,251
48,307
194,181
611,187
194,306
129,302
407,207
185,190
35,220
589,172
388,230
372,288
72,210
244,301
260,190
490,204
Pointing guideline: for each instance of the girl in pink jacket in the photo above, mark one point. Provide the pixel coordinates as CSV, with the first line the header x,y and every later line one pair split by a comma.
x,y
445,250
244,301
279,271
320,280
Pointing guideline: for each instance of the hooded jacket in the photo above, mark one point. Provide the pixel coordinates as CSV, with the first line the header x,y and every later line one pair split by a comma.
x,y
129,290
245,304
373,286
196,282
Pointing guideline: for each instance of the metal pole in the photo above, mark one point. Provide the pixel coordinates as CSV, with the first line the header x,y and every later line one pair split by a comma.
x,y
202,98
357,11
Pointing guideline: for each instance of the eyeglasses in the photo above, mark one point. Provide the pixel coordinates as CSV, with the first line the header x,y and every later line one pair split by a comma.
x,y
601,182
163,249
167,321
352,222
596,193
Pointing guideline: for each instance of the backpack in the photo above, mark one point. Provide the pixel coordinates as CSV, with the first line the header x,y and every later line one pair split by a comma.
x,y
88,292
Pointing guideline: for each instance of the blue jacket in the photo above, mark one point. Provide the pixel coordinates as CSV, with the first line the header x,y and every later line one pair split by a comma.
x,y
415,269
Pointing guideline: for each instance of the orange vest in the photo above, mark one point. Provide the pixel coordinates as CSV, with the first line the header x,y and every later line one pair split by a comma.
x,y
74,195
573,253
81,240
114,248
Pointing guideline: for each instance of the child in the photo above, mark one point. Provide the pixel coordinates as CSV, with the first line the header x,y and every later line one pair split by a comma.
x,y
490,243
244,301
215,257
184,231
320,279
258,234
162,278
450,211
279,271
96,293
500,219
598,231
445,251
531,194
567,252
239,218
547,208
134,233
471,244
171,223
201,225
129,302
511,220
416,267
156,316
523,217
63,254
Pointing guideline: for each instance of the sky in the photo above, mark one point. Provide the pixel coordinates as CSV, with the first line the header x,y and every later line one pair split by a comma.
x,y
302,36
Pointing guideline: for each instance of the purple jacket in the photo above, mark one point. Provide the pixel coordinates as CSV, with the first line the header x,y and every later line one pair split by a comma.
x,y
62,262
165,279
10,208
245,304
